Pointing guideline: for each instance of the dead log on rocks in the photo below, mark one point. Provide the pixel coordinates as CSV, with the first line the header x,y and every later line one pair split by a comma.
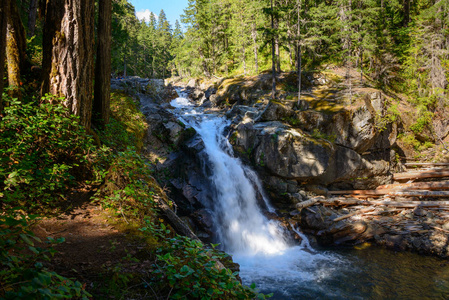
x,y
432,173
404,204
308,203
178,225
426,164
341,201
359,192
361,211
418,189
181,228
425,194
430,185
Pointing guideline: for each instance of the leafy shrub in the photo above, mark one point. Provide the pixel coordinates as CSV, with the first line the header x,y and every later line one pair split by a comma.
x,y
129,186
22,273
43,150
187,270
409,139
316,134
391,116
127,124
424,119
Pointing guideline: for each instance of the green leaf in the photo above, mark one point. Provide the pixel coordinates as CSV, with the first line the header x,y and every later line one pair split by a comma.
x,y
26,239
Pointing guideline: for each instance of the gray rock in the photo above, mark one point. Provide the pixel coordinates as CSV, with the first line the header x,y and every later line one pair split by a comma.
x,y
275,111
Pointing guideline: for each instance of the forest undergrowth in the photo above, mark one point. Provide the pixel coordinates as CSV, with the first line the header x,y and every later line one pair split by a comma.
x,y
79,213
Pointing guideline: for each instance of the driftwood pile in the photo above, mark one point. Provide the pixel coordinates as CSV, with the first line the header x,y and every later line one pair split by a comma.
x,y
418,205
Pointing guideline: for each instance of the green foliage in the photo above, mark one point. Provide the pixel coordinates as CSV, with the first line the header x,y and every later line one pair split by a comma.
x,y
43,151
316,134
423,120
22,272
410,139
185,269
391,116
129,187
127,125
140,48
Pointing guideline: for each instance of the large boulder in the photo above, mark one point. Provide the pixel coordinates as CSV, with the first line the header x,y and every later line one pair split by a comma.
x,y
276,111
291,154
319,221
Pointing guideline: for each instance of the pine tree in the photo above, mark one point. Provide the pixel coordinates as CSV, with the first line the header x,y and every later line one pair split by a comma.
x,y
15,49
4,9
71,55
102,88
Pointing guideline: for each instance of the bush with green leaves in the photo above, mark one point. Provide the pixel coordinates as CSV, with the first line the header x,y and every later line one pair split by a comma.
x,y
129,187
127,125
22,272
185,269
43,151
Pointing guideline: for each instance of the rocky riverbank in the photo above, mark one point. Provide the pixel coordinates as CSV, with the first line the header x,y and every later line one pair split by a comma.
x,y
331,140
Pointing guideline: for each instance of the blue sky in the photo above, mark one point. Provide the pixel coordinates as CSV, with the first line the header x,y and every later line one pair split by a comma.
x,y
173,8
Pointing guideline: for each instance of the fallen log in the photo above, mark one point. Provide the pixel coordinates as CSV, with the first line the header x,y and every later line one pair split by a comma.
x,y
181,228
405,204
395,193
354,213
308,203
430,185
178,225
358,192
435,173
410,164
341,201
425,194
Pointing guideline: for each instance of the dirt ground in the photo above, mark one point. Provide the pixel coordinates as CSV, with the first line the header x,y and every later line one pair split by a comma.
x,y
99,252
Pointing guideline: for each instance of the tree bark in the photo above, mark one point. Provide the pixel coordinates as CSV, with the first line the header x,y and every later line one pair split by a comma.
x,y
273,58
32,12
15,49
4,10
52,12
72,57
102,89
298,55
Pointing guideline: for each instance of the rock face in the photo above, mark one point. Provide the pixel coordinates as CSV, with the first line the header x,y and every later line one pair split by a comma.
x,y
320,222
345,148
291,153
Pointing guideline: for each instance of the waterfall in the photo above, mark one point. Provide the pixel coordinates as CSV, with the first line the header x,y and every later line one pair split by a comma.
x,y
259,245
243,229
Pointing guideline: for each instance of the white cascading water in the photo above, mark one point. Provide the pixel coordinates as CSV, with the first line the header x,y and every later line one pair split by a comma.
x,y
257,244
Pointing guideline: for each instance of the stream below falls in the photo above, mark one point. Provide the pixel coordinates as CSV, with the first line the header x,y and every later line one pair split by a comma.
x,y
276,263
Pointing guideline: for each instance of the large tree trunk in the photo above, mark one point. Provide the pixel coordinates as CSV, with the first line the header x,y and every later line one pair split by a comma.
x,y
298,44
4,9
102,89
15,49
52,11
32,12
273,58
72,57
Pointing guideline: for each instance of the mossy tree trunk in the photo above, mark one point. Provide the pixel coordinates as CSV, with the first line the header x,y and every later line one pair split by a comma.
x,y
68,68
4,9
102,89
15,49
